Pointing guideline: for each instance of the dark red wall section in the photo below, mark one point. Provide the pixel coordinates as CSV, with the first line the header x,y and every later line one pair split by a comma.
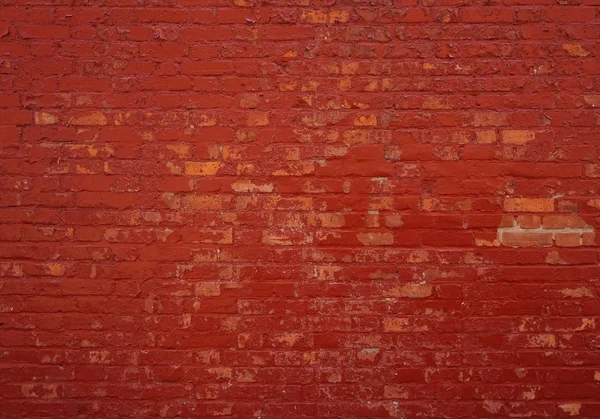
x,y
299,208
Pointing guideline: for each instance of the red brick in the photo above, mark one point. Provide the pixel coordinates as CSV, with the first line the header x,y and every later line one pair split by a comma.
x,y
296,208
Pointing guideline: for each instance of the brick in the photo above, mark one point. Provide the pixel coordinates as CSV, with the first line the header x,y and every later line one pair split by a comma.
x,y
575,50
529,205
563,221
299,208
258,119
326,220
568,239
324,17
210,168
376,239
526,239
206,202
207,289
517,137
96,118
410,291
45,118
529,221
394,221
366,121
246,186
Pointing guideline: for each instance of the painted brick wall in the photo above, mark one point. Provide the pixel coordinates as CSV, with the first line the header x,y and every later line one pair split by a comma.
x,y
299,208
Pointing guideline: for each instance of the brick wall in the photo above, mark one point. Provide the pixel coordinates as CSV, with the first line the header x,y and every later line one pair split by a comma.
x,y
299,208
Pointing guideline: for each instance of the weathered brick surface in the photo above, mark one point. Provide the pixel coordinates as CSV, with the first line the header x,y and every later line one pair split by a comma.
x,y
299,208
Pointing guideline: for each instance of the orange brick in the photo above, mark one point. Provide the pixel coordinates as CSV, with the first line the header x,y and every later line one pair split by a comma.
x,y
529,204
45,118
486,137
410,291
206,202
576,50
517,137
366,121
194,168
258,119
96,118
376,239
393,220
207,289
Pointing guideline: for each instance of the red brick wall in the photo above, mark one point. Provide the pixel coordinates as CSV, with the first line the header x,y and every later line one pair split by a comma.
x,y
299,208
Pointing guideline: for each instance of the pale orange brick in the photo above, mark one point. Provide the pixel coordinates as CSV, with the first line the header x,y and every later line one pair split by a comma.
x,y
196,168
288,86
356,136
432,102
395,325
376,239
486,137
366,121
410,291
96,118
286,238
314,16
526,239
383,203
529,204
394,220
486,239
56,269
339,16
595,203
350,67
300,203
395,392
245,186
517,137
372,220
250,101
328,272
593,100
418,256
206,202
258,119
45,118
399,324
490,119
576,50
207,289
205,120
295,168
209,236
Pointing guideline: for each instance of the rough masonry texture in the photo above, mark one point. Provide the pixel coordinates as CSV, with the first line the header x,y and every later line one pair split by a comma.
x,y
299,208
